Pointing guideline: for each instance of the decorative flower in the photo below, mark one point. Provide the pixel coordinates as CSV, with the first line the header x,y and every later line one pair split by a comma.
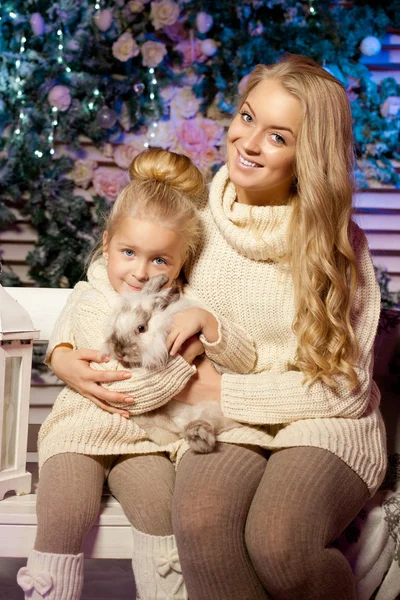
x,y
184,104
103,19
176,32
125,47
191,135
164,12
109,182
60,97
82,173
135,6
204,22
167,561
191,51
165,135
153,53
208,47
168,93
37,23
125,153
391,107
206,160
213,131
370,46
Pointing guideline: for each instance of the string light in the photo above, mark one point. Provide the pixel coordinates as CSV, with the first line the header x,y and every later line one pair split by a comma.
x,y
312,8
18,81
153,107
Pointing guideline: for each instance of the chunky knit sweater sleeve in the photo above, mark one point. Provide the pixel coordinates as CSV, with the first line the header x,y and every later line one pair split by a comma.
x,y
233,350
272,397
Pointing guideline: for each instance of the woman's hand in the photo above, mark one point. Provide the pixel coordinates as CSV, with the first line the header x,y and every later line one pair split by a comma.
x,y
189,323
191,349
204,385
72,366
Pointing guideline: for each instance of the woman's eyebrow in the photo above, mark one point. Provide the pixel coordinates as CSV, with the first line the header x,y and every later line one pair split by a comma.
x,y
272,126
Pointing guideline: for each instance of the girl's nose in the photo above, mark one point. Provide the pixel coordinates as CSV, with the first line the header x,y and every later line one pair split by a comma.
x,y
140,272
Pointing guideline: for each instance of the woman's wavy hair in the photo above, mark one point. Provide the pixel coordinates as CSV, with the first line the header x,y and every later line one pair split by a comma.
x,y
322,260
165,188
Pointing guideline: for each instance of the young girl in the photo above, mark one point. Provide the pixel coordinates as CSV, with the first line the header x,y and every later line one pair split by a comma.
x,y
153,227
281,258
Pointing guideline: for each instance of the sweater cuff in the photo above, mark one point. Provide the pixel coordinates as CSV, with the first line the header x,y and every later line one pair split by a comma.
x,y
233,349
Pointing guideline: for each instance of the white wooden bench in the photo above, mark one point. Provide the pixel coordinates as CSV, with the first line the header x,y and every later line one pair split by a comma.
x,y
111,535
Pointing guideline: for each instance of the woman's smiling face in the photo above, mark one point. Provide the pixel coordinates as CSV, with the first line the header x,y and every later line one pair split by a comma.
x,y
261,144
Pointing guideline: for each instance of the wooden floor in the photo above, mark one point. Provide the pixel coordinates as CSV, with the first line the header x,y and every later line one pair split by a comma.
x,y
104,580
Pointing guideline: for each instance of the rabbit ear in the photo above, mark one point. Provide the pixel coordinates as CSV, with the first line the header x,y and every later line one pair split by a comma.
x,y
155,284
173,294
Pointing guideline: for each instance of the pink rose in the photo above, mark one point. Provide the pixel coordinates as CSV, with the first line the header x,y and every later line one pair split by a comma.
x,y
125,47
214,132
191,135
204,22
60,97
37,23
153,53
109,182
103,19
191,50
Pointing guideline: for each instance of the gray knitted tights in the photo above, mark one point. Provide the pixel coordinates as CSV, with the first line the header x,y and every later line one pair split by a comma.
x,y
70,491
245,525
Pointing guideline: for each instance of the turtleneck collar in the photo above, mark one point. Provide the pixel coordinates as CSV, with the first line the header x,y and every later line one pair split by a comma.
x,y
258,232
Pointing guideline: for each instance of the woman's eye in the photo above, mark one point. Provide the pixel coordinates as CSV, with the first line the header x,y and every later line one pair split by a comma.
x,y
141,329
278,138
128,252
246,117
160,261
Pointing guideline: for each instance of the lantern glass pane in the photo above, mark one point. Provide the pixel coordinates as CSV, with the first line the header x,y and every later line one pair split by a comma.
x,y
12,382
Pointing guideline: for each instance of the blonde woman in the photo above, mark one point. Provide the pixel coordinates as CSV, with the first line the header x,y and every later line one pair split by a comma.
x,y
152,230
282,259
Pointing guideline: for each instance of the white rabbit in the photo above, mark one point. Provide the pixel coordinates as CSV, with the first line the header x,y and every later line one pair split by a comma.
x,y
138,329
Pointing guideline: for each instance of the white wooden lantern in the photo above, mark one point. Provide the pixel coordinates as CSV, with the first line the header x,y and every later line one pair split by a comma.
x,y
16,343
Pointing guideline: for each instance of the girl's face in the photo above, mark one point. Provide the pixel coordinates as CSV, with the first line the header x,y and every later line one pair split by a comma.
x,y
139,250
262,144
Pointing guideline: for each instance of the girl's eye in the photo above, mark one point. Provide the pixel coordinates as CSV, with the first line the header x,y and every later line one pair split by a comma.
x,y
278,138
160,261
141,329
128,252
246,117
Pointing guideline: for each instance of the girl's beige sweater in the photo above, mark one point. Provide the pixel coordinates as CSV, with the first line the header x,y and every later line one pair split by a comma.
x,y
241,279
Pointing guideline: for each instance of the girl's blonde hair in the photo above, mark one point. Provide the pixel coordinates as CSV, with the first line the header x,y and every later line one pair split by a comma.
x,y
321,257
165,188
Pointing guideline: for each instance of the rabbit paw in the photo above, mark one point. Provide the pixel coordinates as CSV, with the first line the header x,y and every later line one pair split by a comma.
x,y
201,436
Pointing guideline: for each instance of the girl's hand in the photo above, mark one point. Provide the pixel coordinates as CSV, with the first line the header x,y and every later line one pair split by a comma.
x,y
72,366
204,385
189,323
191,349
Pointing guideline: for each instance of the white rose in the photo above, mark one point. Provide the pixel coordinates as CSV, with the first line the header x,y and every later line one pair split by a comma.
x,y
164,135
204,22
208,47
82,173
168,93
163,13
125,47
60,97
135,6
125,153
391,106
153,53
184,104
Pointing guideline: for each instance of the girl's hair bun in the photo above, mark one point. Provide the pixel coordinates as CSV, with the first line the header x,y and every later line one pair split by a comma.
x,y
173,170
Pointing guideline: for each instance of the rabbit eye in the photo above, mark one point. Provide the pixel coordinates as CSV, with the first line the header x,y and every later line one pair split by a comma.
x,y
141,329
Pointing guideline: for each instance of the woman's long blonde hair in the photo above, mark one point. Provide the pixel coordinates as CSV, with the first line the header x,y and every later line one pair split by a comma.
x,y
165,188
321,257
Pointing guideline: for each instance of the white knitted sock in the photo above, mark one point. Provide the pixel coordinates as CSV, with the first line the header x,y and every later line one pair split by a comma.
x,y
52,576
156,567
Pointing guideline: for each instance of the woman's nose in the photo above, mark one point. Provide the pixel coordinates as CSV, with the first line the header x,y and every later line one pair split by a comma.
x,y
251,143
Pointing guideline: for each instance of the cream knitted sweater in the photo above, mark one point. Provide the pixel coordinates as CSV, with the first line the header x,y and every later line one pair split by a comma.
x,y
238,276
76,424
